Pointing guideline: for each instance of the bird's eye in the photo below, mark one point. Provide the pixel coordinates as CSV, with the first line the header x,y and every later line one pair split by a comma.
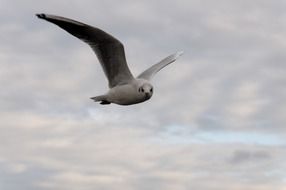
x,y
141,90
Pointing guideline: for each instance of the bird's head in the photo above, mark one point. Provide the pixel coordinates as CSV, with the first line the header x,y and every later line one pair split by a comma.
x,y
146,90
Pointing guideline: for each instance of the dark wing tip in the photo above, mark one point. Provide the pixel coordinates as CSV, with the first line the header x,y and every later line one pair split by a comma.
x,y
41,16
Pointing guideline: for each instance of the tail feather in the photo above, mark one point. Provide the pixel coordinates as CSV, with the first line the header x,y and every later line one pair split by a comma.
x,y
101,99
97,98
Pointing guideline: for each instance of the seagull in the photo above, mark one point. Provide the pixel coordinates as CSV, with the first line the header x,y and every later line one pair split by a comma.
x,y
124,89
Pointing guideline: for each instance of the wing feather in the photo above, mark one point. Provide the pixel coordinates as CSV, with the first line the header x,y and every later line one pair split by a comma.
x,y
149,73
109,50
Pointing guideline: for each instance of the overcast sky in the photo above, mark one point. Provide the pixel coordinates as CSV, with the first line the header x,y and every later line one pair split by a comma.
x,y
216,120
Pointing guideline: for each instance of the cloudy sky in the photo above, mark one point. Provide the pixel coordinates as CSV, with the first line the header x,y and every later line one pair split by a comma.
x,y
216,120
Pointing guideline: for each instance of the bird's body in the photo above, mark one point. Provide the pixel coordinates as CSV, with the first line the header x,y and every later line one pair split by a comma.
x,y
124,88
127,94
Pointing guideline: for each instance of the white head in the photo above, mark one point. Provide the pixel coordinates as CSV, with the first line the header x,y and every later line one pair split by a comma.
x,y
145,90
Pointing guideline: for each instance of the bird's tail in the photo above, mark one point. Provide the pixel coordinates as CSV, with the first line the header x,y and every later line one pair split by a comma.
x,y
102,99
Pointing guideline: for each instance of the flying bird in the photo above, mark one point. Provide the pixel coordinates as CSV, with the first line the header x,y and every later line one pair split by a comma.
x,y
124,89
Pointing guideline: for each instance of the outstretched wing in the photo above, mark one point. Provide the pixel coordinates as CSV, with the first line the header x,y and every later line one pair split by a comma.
x,y
149,73
109,50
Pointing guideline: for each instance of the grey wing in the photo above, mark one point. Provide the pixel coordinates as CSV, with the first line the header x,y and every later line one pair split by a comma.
x,y
109,50
149,73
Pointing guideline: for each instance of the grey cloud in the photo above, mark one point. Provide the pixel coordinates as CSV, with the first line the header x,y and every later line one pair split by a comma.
x,y
88,153
241,156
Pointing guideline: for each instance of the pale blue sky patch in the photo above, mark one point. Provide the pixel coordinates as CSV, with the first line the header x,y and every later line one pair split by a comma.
x,y
176,134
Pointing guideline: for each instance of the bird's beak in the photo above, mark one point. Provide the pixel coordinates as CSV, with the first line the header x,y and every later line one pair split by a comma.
x,y
147,95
